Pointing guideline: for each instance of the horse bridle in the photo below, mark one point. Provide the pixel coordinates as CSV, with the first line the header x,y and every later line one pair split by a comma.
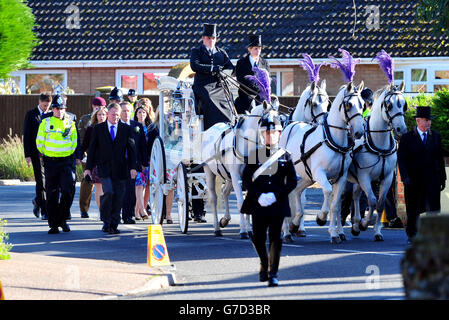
x,y
346,108
384,106
312,105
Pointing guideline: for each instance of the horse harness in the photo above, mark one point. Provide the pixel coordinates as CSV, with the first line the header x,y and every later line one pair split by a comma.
x,y
329,141
236,128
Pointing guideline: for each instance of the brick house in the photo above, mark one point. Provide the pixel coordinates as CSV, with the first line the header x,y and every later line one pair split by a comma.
x,y
88,44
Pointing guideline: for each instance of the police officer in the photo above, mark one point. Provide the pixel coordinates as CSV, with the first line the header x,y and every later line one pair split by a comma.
x,y
367,96
132,98
269,177
116,96
57,141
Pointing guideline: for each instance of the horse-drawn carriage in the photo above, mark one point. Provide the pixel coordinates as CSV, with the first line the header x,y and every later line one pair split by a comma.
x,y
183,147
175,151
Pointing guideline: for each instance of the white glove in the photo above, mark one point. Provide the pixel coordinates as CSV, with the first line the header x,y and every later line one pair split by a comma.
x,y
271,198
263,201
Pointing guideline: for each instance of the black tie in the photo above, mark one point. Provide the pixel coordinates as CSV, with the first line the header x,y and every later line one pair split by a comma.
x,y
424,140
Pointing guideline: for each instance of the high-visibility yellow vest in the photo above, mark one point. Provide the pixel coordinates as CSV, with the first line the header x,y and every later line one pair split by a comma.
x,y
50,140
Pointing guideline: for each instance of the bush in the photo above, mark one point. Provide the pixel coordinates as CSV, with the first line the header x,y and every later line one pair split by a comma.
x,y
420,100
4,246
12,160
440,111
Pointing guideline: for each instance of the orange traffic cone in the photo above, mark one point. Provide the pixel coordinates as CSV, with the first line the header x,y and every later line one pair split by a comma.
x,y
2,296
384,220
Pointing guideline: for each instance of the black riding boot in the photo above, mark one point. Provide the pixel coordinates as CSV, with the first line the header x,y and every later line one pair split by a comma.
x,y
274,258
261,250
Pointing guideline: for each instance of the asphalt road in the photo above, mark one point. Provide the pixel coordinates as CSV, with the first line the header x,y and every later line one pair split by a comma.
x,y
211,268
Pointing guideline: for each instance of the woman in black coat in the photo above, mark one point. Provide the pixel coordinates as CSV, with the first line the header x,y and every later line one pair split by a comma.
x,y
244,68
269,177
422,169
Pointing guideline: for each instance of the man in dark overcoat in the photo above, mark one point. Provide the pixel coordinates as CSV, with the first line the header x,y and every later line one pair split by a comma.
x,y
269,177
421,165
30,127
207,61
243,68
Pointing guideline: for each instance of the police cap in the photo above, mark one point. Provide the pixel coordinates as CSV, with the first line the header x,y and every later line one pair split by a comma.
x,y
58,102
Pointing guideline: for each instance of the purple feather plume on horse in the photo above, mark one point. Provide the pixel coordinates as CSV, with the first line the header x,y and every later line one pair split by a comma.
x,y
312,69
262,79
386,64
348,65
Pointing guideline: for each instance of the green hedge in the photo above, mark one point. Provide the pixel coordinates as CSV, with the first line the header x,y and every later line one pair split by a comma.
x,y
439,102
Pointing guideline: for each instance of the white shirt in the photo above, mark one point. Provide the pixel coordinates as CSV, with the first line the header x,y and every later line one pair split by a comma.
x,y
40,110
421,134
115,128
128,123
252,61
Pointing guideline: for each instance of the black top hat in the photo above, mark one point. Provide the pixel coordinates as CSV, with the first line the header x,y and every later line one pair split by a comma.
x,y
255,41
423,112
209,30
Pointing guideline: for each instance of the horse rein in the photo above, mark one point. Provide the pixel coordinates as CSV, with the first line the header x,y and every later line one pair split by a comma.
x,y
384,106
312,105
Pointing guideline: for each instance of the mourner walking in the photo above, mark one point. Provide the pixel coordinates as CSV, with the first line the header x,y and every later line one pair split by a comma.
x,y
422,169
86,187
57,141
269,177
208,60
243,68
112,149
31,125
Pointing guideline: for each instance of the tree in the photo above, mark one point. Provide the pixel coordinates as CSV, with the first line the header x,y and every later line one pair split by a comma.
x,y
435,12
17,38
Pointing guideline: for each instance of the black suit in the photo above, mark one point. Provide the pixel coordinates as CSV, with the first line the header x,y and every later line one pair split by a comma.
x,y
129,200
281,180
207,87
422,172
244,68
30,128
114,159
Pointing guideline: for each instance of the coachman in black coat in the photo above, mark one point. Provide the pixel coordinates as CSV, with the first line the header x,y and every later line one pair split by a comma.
x,y
278,179
243,68
422,170
209,94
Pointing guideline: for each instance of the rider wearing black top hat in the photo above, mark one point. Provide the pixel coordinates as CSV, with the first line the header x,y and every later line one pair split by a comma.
x,y
207,60
243,68
269,177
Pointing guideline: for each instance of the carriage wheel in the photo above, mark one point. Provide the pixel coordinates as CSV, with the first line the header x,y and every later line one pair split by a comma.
x,y
157,180
182,192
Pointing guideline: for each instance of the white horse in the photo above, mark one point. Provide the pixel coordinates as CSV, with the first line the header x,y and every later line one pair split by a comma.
x,y
320,153
224,152
311,107
374,156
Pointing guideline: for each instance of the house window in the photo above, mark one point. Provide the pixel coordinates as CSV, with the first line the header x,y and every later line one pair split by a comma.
x,y
143,81
37,81
398,77
441,80
282,82
129,82
419,80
